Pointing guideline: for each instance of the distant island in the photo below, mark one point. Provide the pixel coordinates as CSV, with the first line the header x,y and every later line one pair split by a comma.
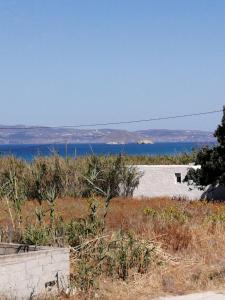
x,y
145,142
32,135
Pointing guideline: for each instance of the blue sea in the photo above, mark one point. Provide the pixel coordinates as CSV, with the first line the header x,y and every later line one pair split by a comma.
x,y
28,152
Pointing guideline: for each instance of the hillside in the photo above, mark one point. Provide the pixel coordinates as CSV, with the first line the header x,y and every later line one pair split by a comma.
x,y
165,135
19,135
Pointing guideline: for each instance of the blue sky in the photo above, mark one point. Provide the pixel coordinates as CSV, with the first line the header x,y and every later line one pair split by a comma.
x,y
66,62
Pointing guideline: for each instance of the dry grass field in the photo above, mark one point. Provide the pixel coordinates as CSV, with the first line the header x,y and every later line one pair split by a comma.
x,y
188,239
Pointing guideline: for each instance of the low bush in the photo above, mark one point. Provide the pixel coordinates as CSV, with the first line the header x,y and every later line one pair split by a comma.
x,y
37,235
115,256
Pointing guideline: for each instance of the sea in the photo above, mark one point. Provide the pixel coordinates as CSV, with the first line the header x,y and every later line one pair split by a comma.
x,y
29,152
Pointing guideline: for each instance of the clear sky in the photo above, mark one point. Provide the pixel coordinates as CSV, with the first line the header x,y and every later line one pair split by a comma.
x,y
66,62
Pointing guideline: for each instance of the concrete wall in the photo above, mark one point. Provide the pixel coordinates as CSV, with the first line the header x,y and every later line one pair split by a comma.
x,y
39,271
160,180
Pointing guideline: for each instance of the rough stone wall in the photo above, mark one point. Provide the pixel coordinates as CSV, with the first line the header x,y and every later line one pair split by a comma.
x,y
33,273
160,180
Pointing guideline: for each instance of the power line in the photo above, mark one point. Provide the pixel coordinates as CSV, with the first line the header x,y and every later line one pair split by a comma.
x,y
113,123
146,120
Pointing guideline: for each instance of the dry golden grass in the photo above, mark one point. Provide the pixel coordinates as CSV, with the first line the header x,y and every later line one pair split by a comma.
x,y
190,237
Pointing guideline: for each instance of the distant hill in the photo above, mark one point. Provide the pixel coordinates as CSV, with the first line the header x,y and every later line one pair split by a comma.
x,y
19,135
166,135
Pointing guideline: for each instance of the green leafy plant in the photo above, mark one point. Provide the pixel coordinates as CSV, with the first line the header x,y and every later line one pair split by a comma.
x,y
212,162
37,235
111,176
13,193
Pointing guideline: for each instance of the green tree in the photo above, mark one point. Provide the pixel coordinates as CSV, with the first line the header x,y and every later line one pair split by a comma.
x,y
211,160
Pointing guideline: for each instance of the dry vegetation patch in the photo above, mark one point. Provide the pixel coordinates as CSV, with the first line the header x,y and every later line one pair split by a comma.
x,y
185,240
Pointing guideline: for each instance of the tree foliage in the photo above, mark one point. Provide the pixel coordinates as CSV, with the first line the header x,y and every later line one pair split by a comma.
x,y
211,160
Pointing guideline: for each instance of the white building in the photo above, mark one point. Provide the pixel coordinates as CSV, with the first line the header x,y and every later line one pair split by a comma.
x,y
165,180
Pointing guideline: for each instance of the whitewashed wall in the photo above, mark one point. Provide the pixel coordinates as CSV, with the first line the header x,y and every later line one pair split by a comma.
x,y
160,180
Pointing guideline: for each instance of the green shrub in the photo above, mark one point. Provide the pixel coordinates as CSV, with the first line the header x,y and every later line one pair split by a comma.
x,y
216,217
170,214
14,178
174,214
151,212
126,253
47,172
114,256
37,235
109,176
79,230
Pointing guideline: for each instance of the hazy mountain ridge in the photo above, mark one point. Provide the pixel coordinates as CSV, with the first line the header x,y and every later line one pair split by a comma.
x,y
68,135
166,135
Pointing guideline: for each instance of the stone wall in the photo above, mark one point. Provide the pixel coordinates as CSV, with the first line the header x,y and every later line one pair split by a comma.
x,y
29,271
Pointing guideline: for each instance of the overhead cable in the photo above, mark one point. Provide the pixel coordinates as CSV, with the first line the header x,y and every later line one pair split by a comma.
x,y
112,123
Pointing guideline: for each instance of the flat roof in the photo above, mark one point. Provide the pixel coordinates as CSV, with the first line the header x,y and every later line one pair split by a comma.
x,y
168,166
